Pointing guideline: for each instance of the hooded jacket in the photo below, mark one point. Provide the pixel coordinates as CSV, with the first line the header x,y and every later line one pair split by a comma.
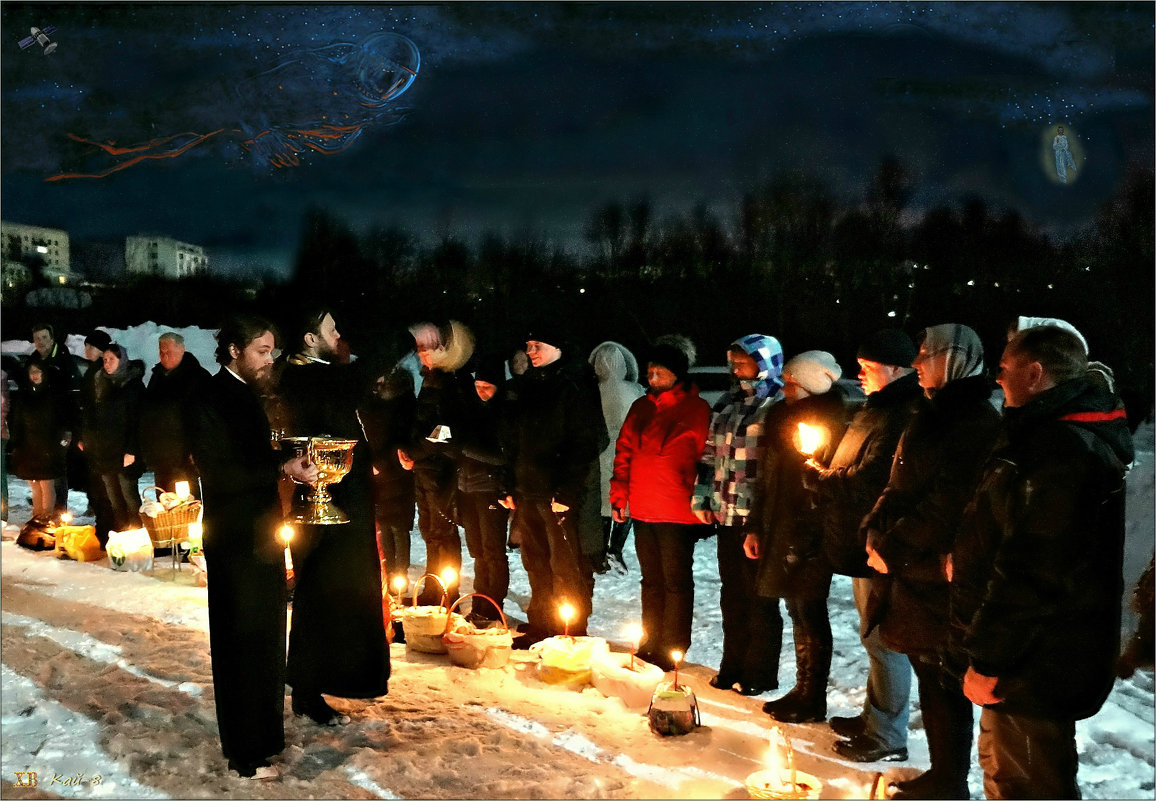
x,y
1037,588
617,372
656,456
913,524
729,465
110,426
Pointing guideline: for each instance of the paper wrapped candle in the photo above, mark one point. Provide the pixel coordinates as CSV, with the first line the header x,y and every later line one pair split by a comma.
x,y
781,780
673,710
567,660
621,675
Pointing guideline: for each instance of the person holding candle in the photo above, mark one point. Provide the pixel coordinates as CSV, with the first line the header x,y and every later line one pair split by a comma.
x,y
784,531
655,465
844,493
337,595
911,530
723,497
176,379
1036,585
242,512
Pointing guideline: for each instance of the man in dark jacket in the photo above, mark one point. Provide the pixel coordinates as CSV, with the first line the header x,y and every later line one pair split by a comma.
x,y
845,493
177,379
98,501
64,377
337,597
239,470
556,434
1036,584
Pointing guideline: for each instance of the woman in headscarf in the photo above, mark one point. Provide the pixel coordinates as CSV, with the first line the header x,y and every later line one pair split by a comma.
x,y
39,426
910,533
109,436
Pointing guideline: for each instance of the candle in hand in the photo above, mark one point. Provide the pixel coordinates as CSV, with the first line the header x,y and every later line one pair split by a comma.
x,y
286,534
182,489
567,612
676,657
811,438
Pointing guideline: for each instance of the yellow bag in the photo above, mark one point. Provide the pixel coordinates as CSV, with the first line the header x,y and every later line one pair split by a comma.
x,y
79,543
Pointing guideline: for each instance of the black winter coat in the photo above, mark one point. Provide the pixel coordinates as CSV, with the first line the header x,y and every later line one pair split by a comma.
x,y
552,444
477,439
439,403
164,438
848,489
110,425
914,522
37,425
784,518
1037,590
387,425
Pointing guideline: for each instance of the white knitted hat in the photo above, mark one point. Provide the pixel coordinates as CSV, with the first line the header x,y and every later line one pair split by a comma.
x,y
813,370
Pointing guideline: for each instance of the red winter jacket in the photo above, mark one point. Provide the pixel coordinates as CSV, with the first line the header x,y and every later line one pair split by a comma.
x,y
656,456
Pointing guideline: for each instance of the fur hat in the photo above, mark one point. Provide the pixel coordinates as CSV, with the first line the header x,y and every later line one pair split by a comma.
x,y
889,346
98,339
670,357
813,370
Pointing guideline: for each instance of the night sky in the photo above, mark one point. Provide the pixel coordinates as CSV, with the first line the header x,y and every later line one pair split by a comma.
x,y
526,117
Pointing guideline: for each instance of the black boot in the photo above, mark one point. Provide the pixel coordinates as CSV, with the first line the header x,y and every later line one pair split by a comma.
x,y
807,700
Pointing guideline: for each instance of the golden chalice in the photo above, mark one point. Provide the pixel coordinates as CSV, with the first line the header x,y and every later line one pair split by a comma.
x,y
334,458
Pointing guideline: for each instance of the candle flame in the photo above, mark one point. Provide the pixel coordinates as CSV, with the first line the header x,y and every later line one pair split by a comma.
x,y
399,583
65,518
182,489
567,612
811,438
634,634
195,530
286,534
449,576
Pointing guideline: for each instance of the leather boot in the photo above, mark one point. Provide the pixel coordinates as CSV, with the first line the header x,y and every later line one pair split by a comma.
x,y
807,701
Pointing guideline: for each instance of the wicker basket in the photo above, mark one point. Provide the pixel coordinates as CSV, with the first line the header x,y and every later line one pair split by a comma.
x,y
172,526
471,647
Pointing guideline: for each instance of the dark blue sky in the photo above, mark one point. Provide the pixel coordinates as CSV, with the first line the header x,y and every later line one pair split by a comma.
x,y
527,116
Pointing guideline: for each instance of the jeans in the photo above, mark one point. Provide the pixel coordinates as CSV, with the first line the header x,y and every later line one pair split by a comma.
x,y
886,707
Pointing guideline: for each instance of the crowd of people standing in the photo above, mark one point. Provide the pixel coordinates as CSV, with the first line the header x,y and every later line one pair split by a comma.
x,y
984,548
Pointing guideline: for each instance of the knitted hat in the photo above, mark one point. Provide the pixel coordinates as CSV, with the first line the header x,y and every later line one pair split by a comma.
x,y
813,370
550,330
670,357
98,339
889,346
491,369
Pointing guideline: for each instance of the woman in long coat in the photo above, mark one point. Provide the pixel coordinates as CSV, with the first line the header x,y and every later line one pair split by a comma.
x,y
785,531
39,425
109,433
911,531
655,467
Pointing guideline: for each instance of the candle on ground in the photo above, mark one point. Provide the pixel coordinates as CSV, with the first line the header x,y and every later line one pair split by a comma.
x,y
634,632
676,657
566,611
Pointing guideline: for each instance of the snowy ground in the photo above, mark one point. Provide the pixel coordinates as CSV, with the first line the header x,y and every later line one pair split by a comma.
x,y
107,674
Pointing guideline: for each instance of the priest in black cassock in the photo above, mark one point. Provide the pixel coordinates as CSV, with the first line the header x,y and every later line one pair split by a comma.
x,y
239,472
337,642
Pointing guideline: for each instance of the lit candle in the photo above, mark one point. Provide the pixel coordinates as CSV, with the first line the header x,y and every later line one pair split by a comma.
x,y
183,490
65,518
399,583
567,612
286,534
676,657
811,438
634,632
449,576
